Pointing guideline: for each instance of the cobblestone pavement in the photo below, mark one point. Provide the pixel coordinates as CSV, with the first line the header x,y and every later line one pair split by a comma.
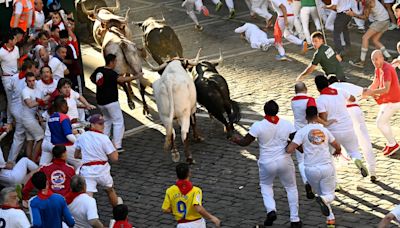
x,y
228,174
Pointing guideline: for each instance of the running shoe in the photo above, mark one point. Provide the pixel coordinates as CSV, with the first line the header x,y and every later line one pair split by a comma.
x,y
361,167
309,193
205,11
198,27
218,6
265,47
330,223
271,217
120,150
298,224
281,57
357,63
232,13
373,178
384,149
324,208
391,150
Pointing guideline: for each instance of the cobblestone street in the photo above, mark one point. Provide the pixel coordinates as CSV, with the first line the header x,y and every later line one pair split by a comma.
x,y
227,173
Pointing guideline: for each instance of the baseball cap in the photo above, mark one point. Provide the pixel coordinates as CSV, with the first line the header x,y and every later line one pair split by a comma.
x,y
96,119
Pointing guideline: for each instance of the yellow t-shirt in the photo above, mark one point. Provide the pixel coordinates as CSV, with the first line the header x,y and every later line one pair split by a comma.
x,y
183,205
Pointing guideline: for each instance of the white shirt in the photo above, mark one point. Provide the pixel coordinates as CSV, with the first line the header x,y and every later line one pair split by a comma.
x,y
83,209
61,26
378,13
277,3
14,218
396,213
16,87
272,138
335,106
342,5
72,102
46,89
57,67
354,90
299,106
39,20
315,140
254,35
9,61
28,93
94,146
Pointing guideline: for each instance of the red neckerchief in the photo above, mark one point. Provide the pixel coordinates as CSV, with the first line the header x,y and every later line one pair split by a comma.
x,y
184,186
9,207
272,119
329,91
9,50
71,196
122,224
56,39
45,196
48,82
91,129
21,74
300,97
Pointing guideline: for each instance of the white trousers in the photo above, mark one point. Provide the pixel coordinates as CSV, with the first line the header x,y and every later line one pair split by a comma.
x,y
11,177
305,14
190,6
358,9
229,3
297,23
300,163
386,111
201,223
260,7
19,134
284,169
323,182
349,142
287,32
113,118
330,20
360,128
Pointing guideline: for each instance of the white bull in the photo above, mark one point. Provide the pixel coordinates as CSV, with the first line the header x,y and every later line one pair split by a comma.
x,y
175,95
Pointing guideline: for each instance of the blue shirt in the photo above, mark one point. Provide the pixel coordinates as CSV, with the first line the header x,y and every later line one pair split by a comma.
x,y
60,127
49,211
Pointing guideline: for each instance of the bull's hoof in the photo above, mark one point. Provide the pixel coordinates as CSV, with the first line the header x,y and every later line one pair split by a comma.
x,y
146,110
198,139
190,161
131,105
176,157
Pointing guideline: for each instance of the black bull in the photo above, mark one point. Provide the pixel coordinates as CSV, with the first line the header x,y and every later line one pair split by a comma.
x,y
213,93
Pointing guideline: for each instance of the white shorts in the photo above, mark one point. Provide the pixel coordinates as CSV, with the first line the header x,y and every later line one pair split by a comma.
x,y
201,223
33,130
103,180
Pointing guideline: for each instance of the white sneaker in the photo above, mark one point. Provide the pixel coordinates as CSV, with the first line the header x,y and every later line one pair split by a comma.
x,y
119,201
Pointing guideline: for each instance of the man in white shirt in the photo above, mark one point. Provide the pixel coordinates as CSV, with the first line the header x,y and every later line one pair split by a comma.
x,y
299,104
340,24
11,213
331,105
95,149
39,18
357,117
257,38
392,215
190,6
46,85
319,167
30,102
17,84
56,64
284,26
272,134
82,206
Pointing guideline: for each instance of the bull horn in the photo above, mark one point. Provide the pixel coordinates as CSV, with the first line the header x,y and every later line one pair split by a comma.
x,y
218,61
115,9
196,60
163,18
155,68
86,11
127,15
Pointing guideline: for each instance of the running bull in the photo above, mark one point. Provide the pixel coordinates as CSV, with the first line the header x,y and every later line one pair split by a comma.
x,y
160,40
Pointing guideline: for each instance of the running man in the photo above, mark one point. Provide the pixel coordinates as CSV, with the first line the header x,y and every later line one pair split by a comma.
x,y
190,5
184,201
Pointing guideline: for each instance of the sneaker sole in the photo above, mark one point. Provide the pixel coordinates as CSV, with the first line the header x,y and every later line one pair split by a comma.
x,y
322,205
363,170
392,152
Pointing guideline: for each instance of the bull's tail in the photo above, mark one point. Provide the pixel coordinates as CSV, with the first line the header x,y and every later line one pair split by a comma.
x,y
171,108
235,116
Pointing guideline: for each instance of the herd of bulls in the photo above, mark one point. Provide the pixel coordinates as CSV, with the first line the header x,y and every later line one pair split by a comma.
x,y
183,81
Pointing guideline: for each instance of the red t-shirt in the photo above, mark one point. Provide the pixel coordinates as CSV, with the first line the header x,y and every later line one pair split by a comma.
x,y
389,74
58,174
122,224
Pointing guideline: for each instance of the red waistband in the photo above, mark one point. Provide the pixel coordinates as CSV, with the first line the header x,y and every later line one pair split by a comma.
x,y
352,105
289,15
95,163
65,144
186,221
